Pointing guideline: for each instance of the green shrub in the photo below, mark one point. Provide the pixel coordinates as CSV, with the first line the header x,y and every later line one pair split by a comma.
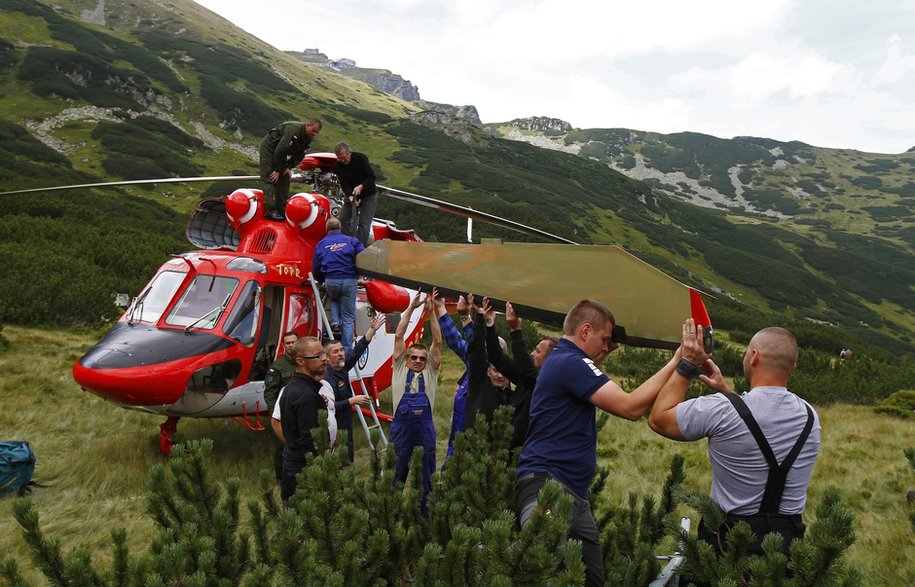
x,y
900,403
80,76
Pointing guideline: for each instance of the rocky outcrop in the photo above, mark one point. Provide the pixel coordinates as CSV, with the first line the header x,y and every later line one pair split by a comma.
x,y
452,126
542,124
96,16
395,85
468,113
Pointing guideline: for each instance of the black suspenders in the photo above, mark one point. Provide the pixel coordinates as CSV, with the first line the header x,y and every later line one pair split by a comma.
x,y
778,474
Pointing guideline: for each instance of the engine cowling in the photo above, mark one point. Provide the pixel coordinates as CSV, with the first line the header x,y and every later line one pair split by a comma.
x,y
244,205
308,214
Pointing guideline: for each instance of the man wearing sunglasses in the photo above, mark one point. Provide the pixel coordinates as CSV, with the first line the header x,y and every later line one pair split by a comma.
x,y
299,405
413,386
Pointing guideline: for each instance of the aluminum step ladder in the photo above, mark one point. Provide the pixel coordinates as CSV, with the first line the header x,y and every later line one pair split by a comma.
x,y
325,326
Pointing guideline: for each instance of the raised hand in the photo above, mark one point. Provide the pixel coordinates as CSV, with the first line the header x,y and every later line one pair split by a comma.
x,y
511,317
489,314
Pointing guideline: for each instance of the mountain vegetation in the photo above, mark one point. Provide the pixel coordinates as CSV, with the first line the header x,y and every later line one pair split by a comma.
x,y
116,90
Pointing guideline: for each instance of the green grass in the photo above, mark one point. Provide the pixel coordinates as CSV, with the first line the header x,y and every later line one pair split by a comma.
x,y
94,457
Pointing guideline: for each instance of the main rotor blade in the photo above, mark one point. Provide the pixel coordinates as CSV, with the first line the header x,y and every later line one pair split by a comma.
x,y
132,182
471,213
542,281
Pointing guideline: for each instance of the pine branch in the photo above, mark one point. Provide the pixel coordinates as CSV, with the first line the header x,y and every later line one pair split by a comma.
x,y
9,573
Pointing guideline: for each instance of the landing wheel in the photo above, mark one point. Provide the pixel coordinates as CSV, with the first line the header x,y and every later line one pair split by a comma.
x,y
166,429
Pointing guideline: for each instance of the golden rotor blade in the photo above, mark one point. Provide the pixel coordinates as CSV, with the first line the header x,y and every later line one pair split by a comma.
x,y
542,281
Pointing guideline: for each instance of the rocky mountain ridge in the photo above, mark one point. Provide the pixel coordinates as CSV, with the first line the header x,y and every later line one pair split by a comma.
x,y
386,81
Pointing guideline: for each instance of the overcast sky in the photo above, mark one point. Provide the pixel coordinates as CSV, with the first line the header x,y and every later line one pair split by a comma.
x,y
832,73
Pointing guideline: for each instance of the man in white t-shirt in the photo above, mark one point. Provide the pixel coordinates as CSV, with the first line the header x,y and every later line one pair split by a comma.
x,y
759,477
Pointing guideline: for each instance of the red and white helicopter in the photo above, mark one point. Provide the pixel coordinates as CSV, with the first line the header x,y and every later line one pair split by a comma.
x,y
197,340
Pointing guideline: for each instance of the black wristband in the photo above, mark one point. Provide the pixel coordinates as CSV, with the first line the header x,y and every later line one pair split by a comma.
x,y
687,369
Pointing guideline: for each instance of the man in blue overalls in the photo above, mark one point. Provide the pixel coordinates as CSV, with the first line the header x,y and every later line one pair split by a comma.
x,y
413,383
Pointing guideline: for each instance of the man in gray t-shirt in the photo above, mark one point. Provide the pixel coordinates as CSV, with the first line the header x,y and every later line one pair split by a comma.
x,y
740,471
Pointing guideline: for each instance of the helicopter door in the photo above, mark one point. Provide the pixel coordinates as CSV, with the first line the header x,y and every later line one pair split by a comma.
x,y
300,312
270,329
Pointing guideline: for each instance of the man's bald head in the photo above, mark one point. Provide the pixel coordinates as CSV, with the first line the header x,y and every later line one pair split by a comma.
x,y
777,347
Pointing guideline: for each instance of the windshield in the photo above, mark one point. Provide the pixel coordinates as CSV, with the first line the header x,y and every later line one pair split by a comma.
x,y
241,324
201,302
149,305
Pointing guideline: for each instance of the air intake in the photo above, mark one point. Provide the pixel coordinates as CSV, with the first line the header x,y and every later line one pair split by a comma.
x,y
261,241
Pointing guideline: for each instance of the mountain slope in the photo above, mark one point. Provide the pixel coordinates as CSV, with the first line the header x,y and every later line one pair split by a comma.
x,y
140,89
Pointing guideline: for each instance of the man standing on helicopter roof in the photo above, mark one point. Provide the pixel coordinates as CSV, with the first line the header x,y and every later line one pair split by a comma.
x,y
283,148
360,194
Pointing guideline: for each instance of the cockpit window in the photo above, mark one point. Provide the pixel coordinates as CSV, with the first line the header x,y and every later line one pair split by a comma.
x,y
241,324
203,302
150,304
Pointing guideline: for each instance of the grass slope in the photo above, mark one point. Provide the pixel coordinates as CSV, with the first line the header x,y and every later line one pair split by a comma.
x,y
94,457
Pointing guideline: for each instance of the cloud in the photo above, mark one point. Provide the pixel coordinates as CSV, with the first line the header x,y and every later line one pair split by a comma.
x,y
799,74
897,65
828,74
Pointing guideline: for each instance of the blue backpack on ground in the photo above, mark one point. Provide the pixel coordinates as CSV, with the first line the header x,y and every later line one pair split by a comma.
x,y
17,463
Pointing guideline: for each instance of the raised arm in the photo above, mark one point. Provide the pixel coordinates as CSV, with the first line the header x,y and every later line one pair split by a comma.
x,y
452,336
399,344
502,362
663,418
435,351
632,406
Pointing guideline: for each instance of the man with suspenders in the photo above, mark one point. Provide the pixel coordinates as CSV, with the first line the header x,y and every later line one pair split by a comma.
x,y
413,383
762,445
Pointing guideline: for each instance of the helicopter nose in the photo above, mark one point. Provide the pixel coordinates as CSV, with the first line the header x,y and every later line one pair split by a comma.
x,y
143,365
109,357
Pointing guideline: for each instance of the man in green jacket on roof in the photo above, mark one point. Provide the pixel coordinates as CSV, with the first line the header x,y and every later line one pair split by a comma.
x,y
282,149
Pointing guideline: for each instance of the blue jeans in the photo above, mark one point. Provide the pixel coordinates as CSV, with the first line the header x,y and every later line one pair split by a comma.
x,y
342,294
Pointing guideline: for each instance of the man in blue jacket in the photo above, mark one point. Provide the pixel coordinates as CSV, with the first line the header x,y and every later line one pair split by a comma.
x,y
334,263
339,364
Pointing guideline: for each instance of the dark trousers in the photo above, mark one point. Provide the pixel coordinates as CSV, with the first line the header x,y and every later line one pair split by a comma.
x,y
364,212
789,526
349,438
276,194
277,457
584,528
287,487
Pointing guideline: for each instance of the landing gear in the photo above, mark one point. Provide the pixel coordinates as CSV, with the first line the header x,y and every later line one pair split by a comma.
x,y
166,429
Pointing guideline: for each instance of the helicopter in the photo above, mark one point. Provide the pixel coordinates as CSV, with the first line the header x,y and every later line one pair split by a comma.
x,y
197,340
